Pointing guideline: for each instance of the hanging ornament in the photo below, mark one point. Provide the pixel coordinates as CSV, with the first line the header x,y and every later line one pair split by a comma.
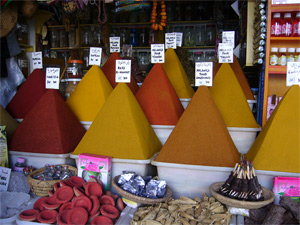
x,y
163,16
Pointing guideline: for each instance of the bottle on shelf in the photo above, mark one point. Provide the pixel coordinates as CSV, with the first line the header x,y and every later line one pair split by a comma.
x,y
287,25
19,165
282,57
274,56
276,25
290,55
296,26
297,55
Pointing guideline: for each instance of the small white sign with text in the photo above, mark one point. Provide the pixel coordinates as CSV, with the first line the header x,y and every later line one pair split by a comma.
x,y
123,71
52,77
157,53
203,73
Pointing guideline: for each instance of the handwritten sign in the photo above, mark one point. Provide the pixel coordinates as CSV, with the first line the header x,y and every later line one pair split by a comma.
x,y
123,71
157,53
178,38
293,73
114,43
4,178
203,73
52,77
95,56
228,37
225,53
170,40
37,60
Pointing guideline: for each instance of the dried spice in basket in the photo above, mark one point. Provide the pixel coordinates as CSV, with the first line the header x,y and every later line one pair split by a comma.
x,y
90,94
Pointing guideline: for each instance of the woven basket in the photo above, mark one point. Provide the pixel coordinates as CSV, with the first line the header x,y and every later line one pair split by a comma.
x,y
42,187
139,199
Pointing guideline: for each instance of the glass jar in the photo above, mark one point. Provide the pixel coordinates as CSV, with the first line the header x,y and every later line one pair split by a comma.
x,y
199,56
74,69
23,31
143,37
134,37
151,37
86,37
63,40
210,38
55,38
188,13
290,55
188,36
287,25
170,7
124,36
200,35
282,57
297,55
19,165
86,55
276,25
23,63
296,26
72,37
274,56
210,56
71,84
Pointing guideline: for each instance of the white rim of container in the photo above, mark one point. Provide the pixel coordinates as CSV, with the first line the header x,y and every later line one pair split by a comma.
x,y
163,126
46,155
244,128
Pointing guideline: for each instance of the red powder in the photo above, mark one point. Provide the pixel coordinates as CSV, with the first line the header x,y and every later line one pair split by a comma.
x,y
158,98
27,95
109,69
50,127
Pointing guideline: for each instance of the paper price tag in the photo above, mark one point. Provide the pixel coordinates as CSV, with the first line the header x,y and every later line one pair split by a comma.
x,y
203,73
293,73
170,40
178,38
228,37
225,53
114,43
5,177
37,60
157,53
52,77
95,56
123,71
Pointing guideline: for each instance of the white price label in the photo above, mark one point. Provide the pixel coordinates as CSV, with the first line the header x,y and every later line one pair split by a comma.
x,y
95,56
225,53
52,77
37,60
178,38
157,53
170,40
203,73
114,43
123,71
293,73
4,174
228,37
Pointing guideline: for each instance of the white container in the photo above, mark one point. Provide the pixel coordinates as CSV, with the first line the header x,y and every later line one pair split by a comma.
x,y
38,160
243,137
163,132
251,103
190,180
185,102
86,124
265,177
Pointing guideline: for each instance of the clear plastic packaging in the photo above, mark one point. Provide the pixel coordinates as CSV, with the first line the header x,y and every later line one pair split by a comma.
x,y
276,25
290,55
282,57
274,56
296,26
287,25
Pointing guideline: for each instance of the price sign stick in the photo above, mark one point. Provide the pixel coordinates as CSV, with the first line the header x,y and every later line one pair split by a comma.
x,y
61,76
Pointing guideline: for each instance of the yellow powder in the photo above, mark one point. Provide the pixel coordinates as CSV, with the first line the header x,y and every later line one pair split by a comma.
x,y
200,137
277,147
7,120
121,129
90,94
177,75
231,100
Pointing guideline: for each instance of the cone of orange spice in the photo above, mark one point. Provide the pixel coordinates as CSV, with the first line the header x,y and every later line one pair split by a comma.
x,y
163,16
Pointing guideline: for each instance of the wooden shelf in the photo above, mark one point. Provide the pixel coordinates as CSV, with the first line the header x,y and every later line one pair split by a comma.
x,y
285,8
60,26
285,39
277,70
64,48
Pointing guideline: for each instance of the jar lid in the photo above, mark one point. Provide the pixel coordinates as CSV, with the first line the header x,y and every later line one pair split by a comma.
x,y
274,49
20,160
282,50
291,50
75,61
276,15
287,15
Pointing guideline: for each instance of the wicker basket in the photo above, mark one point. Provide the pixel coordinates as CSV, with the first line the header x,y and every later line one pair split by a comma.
x,y
42,187
139,199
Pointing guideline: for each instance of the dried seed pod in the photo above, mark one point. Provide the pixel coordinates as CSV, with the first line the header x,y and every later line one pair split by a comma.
x,y
173,208
197,199
152,222
170,220
219,209
212,199
190,211
150,216
184,221
198,211
205,197
162,214
185,215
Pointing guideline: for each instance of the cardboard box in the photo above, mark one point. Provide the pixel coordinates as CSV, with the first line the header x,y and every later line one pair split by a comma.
x,y
95,166
286,186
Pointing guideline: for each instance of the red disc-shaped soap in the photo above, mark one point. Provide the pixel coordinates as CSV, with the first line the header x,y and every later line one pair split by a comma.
x,y
29,215
78,216
96,204
64,194
106,200
65,206
62,217
51,203
109,211
39,204
93,188
64,183
102,220
76,181
78,191
82,201
91,217
120,204
56,186
47,216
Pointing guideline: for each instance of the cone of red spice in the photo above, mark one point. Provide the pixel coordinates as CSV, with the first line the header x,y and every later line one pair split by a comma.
x,y
50,127
109,69
28,95
158,98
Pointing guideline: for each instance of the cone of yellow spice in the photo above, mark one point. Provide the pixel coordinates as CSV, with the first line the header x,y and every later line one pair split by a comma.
x,y
121,129
90,94
231,100
177,75
200,136
277,147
